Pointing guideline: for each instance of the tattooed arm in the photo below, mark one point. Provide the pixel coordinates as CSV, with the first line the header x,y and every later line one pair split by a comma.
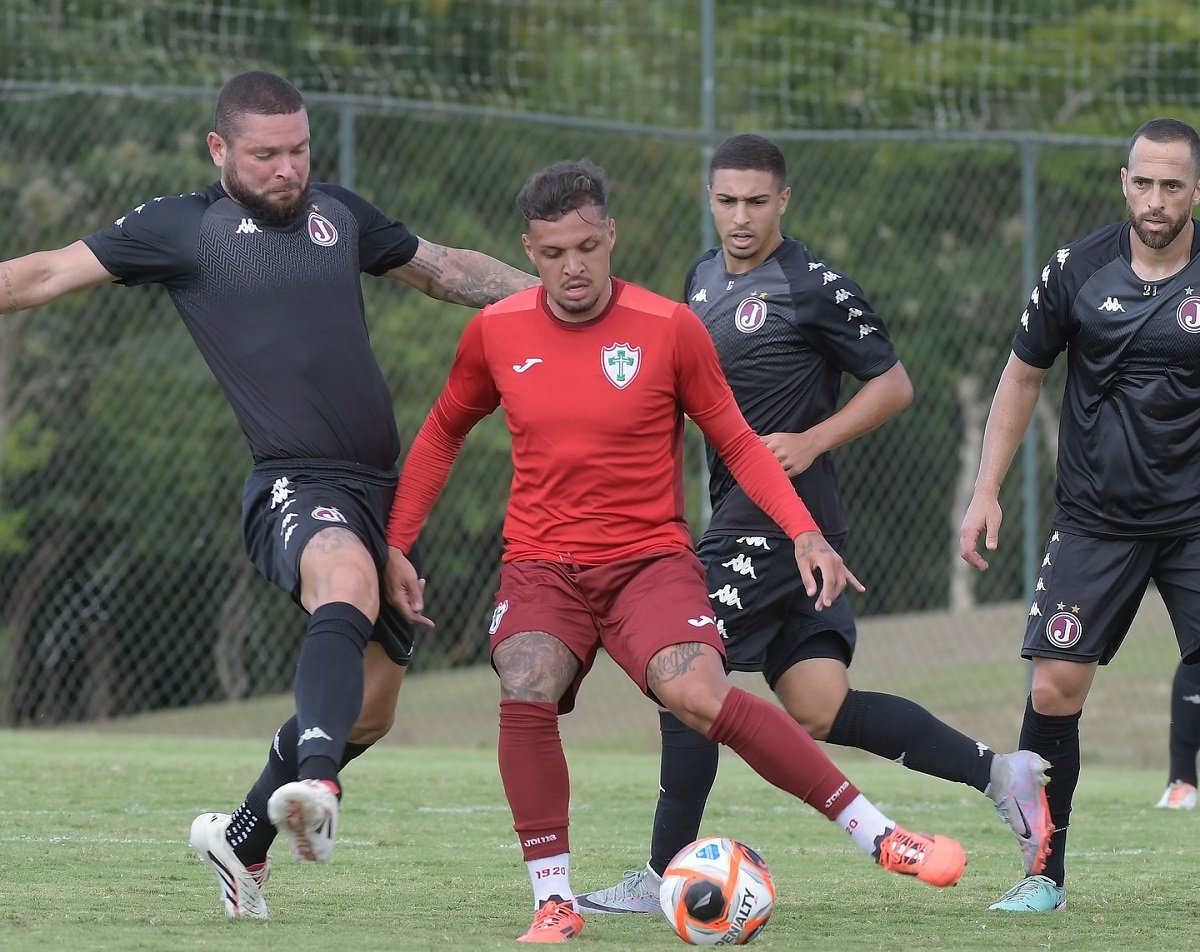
x,y
460,275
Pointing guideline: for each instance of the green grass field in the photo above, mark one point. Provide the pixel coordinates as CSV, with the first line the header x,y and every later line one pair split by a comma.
x,y
93,855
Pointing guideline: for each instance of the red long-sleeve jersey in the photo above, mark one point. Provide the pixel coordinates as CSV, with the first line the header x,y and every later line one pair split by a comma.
x,y
596,413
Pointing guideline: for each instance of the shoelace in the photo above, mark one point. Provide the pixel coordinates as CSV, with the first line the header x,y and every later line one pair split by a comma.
x,y
1178,793
554,914
1022,889
632,884
905,848
261,872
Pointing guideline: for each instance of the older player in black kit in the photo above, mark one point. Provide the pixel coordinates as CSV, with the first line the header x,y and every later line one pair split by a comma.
x,y
264,269
1123,304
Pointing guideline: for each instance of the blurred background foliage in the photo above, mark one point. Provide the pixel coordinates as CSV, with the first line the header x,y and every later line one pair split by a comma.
x,y
917,133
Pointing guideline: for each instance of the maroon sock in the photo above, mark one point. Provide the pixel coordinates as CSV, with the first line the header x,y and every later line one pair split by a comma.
x,y
534,771
780,751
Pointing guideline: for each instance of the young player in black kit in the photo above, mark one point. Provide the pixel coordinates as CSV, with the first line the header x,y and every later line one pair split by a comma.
x,y
787,326
1123,304
264,268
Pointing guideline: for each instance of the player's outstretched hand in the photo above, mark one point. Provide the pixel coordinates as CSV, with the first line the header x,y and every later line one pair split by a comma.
x,y
405,589
983,515
814,554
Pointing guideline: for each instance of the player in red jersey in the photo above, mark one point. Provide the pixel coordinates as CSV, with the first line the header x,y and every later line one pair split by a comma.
x,y
595,376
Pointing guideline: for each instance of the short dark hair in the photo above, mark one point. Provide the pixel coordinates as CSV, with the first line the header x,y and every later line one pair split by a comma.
x,y
563,187
257,92
748,152
1169,130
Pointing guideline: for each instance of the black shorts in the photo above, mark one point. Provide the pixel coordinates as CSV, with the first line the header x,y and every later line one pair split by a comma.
x,y
286,502
764,615
1089,590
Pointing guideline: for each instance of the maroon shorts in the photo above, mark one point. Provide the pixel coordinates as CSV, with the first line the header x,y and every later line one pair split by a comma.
x,y
633,608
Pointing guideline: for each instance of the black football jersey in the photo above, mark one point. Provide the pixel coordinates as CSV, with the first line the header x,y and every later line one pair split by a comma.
x,y
1129,433
785,333
277,312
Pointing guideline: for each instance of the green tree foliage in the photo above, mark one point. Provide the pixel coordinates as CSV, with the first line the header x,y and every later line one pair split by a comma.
x,y
121,465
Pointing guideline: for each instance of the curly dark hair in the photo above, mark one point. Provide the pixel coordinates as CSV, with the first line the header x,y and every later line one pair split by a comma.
x,y
563,187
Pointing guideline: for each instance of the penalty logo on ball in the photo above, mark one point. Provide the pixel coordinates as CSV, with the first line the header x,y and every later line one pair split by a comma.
x,y
717,891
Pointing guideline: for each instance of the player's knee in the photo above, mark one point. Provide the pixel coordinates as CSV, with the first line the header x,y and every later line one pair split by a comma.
x,y
696,704
817,724
371,728
347,575
1055,698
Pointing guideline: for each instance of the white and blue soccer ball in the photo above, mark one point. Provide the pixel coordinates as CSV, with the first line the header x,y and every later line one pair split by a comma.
x,y
717,891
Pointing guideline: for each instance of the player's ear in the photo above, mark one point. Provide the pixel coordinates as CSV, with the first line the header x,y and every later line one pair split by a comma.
x,y
528,249
218,149
785,196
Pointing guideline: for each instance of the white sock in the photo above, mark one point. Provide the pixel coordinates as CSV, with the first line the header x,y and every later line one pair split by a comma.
x,y
551,876
865,824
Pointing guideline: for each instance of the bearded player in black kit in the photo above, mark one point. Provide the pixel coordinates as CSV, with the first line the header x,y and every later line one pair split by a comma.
x,y
264,268
1124,304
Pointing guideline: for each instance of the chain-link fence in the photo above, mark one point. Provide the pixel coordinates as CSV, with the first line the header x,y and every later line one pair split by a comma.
x,y
123,465
121,570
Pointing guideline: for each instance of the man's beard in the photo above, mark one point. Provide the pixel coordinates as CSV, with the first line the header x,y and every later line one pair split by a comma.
x,y
273,213
1157,240
578,307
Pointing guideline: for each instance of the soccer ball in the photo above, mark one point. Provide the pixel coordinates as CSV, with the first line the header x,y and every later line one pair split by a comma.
x,y
717,891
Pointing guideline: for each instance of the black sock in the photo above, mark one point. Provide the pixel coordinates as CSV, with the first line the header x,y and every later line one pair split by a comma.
x,y
329,687
1056,738
895,727
686,773
1184,738
250,832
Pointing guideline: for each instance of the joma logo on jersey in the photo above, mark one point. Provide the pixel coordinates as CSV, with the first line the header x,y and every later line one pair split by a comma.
x,y
321,230
1188,315
750,315
620,363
